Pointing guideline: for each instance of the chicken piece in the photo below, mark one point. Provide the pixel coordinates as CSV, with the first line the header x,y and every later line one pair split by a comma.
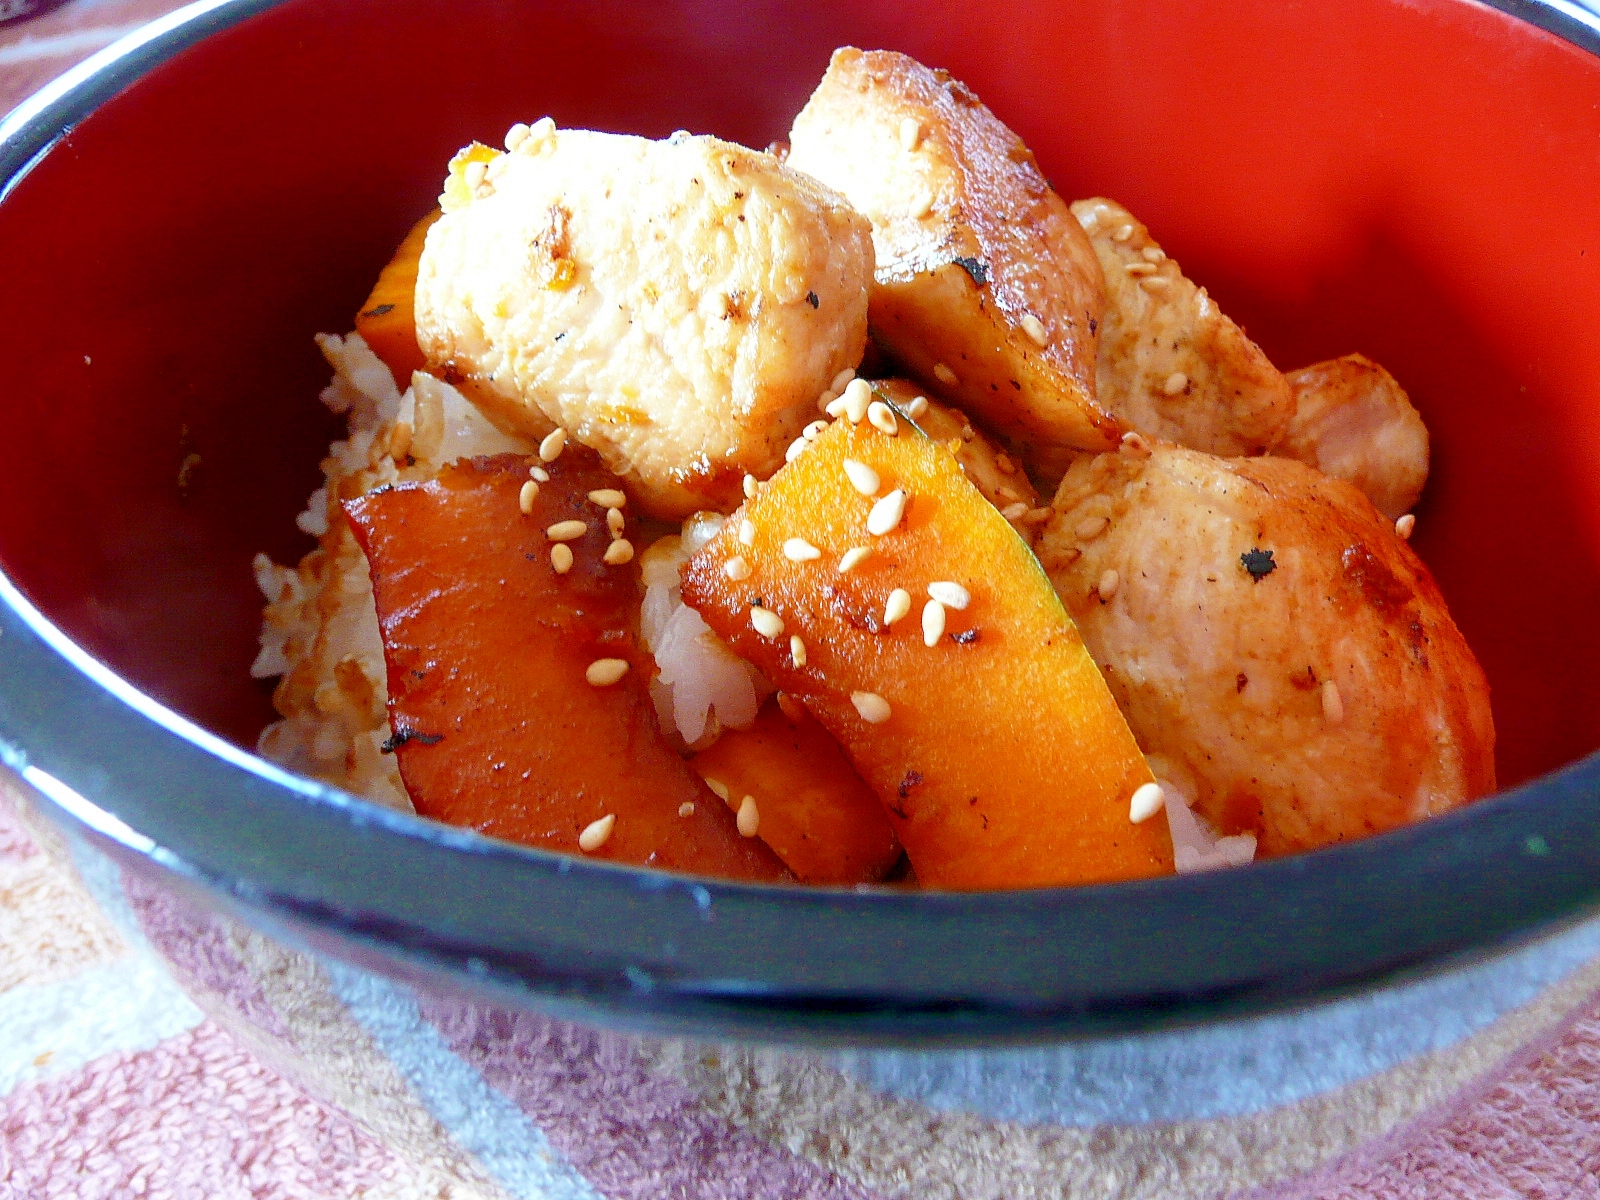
x,y
1171,364
676,305
1354,421
1285,658
986,288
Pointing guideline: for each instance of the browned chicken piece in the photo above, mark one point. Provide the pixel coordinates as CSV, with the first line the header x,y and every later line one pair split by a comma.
x,y
986,289
1284,657
1354,421
1171,364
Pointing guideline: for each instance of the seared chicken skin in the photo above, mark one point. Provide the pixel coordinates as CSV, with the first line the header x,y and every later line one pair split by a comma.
x,y
1285,659
1354,421
986,288
1171,364
678,305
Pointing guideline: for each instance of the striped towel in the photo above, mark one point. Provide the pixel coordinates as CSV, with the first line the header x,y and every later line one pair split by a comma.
x,y
289,1076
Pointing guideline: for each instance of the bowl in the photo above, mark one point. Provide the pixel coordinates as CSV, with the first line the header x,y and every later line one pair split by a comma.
x,y
181,214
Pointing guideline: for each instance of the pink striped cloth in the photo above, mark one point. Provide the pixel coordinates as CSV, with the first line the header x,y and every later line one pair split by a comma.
x,y
149,1049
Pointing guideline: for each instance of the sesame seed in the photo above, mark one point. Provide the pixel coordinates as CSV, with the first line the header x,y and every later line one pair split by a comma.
x,y
1175,383
561,558
749,817
608,498
800,550
921,206
1090,528
526,497
797,650
886,513
1006,494
796,449
881,417
1035,516
874,709
945,375
910,134
1140,268
619,552
566,531
736,568
615,521
842,380
1154,283
857,398
766,622
897,606
836,407
475,172
1135,444
1332,703
1014,512
603,672
596,833
1034,328
538,475
811,431
1152,254
1148,800
862,477
749,487
932,623
747,532
686,809
550,449
720,790
1122,234
1405,525
516,135
853,558
1109,582
951,595
918,406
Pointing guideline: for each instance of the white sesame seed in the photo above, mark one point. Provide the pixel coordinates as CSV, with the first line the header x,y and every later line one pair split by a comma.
x,y
603,672
686,809
561,558
910,134
800,550
720,790
475,172
945,375
881,417
1154,283
1139,268
1175,383
796,448
797,650
1404,526
918,406
1035,516
1109,582
750,487
566,531
615,521
951,595
516,135
874,709
1153,254
1135,444
886,513
766,622
749,817
1122,234
538,475
619,552
811,431
550,449
853,558
596,833
608,497
857,398
526,497
921,205
897,606
932,623
842,379
1034,328
1148,800
1332,703
836,407
747,532
736,568
862,477
1014,512
1090,528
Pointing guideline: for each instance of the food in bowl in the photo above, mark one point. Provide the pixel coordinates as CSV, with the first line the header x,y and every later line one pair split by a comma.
x,y
656,559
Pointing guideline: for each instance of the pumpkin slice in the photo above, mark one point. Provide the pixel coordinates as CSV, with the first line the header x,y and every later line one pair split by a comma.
x,y
998,750
496,723
387,321
814,810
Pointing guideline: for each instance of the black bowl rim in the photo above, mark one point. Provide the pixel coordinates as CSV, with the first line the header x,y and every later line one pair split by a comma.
x,y
656,951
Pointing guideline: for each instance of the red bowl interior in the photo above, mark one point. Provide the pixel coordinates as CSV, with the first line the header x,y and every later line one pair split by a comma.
x,y
1339,176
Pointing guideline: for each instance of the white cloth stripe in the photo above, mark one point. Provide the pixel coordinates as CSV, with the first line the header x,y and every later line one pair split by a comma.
x,y
482,1120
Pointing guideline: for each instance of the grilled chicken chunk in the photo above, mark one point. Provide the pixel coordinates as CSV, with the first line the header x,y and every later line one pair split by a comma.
x,y
1171,364
1354,421
677,305
986,288
1286,659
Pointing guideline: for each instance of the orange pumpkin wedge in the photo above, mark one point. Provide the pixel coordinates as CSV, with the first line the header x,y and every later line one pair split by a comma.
x,y
387,322
997,751
815,812
496,722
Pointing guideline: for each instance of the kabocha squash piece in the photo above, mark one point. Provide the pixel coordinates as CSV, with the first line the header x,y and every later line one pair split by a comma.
x,y
997,751
498,723
814,810
387,322
986,288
